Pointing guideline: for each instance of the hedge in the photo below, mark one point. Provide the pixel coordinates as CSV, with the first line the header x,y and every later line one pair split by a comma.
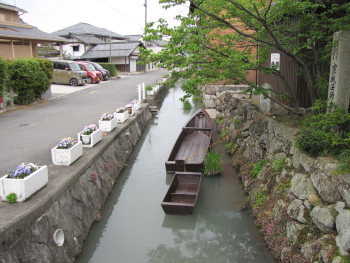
x,y
111,68
4,75
29,78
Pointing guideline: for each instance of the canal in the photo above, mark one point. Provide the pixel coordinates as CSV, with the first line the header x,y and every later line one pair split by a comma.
x,y
134,228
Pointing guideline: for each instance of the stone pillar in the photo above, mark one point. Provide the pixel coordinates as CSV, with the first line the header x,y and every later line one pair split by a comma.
x,y
267,105
339,77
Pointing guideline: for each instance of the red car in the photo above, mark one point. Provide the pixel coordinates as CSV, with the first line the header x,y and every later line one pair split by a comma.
x,y
93,76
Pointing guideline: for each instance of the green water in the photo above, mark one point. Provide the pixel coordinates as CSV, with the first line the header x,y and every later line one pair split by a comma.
x,y
134,227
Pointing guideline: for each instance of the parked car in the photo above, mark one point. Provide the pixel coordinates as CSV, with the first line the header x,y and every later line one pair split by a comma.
x,y
68,72
92,75
98,67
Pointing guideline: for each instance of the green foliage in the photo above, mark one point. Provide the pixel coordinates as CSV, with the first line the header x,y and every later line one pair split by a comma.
x,y
111,68
279,164
238,122
219,119
29,77
326,131
11,198
187,105
258,167
259,198
224,132
4,76
207,45
228,146
212,163
344,159
149,87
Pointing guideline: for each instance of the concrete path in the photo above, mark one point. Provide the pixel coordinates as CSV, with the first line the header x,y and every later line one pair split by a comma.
x,y
29,133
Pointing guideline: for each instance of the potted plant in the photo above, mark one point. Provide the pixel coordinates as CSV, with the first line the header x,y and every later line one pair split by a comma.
x,y
213,163
121,114
21,183
66,152
130,107
156,87
107,122
136,103
90,135
149,90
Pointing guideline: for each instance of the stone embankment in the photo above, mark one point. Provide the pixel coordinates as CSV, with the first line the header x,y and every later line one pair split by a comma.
x,y
300,205
73,199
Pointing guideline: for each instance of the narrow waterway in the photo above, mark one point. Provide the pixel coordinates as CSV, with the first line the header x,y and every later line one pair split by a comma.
x,y
134,228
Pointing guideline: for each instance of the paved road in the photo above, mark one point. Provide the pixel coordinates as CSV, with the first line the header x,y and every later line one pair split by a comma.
x,y
28,134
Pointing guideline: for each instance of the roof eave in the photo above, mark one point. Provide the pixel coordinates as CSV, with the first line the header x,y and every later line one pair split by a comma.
x,y
31,38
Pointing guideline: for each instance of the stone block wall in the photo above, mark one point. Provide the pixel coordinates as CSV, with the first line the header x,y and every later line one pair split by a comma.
x,y
300,205
213,95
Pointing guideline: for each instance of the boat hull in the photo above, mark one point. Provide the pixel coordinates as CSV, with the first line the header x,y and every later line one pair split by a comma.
x,y
182,194
193,143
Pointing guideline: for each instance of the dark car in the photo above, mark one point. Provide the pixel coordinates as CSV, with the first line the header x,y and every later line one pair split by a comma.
x,y
98,67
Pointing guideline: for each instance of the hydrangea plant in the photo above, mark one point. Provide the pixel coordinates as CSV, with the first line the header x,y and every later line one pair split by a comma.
x,y
22,171
89,129
65,143
107,117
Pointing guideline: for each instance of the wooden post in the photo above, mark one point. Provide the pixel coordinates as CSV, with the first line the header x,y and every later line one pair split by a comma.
x,y
60,50
31,48
13,50
11,97
4,98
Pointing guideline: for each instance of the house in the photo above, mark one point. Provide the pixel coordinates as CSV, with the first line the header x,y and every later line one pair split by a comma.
x,y
124,54
82,37
17,38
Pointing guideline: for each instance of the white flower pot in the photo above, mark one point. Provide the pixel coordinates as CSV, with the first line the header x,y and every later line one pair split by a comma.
x,y
150,92
95,137
108,126
137,105
67,156
26,187
133,109
121,117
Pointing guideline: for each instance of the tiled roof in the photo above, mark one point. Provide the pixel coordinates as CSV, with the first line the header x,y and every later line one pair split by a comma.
x,y
84,28
6,5
159,42
88,39
134,37
29,33
118,49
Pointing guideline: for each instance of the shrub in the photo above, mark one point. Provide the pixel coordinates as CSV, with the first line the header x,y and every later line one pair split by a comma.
x,y
325,131
4,76
29,77
187,105
149,87
111,68
11,198
212,163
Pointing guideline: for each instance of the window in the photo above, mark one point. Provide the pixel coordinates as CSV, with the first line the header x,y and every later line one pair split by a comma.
x,y
2,17
76,48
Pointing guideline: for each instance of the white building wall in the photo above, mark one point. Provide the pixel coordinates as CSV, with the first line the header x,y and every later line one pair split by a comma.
x,y
154,66
120,60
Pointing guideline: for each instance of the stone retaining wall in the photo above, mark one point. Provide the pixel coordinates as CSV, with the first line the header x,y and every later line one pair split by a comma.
x,y
301,207
213,95
79,200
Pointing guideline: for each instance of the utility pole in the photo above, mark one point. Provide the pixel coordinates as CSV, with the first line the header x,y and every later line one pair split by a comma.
x,y
110,49
145,28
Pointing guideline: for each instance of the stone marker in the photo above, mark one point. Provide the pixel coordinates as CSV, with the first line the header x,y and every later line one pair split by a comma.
x,y
339,77
267,105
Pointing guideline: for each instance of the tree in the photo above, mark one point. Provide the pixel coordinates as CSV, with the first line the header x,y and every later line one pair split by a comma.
x,y
223,39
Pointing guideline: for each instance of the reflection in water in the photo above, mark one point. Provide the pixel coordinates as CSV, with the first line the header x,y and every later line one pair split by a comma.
x,y
134,227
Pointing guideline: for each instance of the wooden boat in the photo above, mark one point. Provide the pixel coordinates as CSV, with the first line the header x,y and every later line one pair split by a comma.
x,y
194,137
182,194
